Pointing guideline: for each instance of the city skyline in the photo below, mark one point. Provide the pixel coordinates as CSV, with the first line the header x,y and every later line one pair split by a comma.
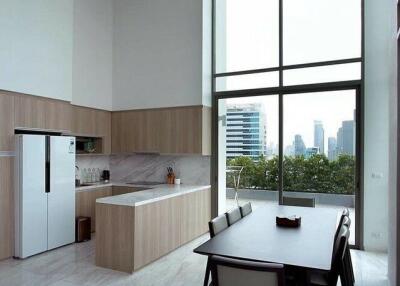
x,y
300,112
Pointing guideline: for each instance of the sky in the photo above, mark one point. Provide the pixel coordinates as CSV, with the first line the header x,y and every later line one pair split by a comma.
x,y
314,30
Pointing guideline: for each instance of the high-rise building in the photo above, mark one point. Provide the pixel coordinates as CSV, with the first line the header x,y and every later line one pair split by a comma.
x,y
299,146
319,135
311,151
348,137
246,130
332,148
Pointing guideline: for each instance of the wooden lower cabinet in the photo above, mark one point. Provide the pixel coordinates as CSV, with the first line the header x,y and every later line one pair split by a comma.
x,y
6,208
85,203
128,238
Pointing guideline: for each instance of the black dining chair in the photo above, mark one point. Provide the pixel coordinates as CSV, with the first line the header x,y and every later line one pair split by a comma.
x,y
345,220
338,265
234,272
246,209
299,202
233,216
215,226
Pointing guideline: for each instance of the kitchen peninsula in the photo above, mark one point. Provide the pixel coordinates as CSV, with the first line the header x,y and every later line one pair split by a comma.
x,y
137,228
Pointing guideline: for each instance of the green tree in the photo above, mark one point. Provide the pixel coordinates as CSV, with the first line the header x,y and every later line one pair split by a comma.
x,y
313,174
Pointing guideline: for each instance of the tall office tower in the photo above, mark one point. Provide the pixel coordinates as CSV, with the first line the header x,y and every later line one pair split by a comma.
x,y
299,146
245,130
348,128
339,142
319,134
332,151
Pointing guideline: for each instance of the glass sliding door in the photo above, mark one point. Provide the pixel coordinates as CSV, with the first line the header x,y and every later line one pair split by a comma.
x,y
320,149
248,142
286,94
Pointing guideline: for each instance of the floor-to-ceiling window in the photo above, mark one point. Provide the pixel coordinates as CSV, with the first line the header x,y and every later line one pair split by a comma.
x,y
287,92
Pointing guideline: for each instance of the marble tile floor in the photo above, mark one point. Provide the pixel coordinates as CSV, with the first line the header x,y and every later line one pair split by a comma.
x,y
74,265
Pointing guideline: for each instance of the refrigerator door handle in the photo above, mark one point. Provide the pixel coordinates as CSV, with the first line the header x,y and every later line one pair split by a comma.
x,y
47,179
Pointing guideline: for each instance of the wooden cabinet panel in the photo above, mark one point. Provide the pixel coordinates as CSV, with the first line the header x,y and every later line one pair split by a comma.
x,y
180,130
157,230
84,120
196,211
30,112
6,208
85,203
58,115
93,123
134,131
42,113
103,129
6,122
166,130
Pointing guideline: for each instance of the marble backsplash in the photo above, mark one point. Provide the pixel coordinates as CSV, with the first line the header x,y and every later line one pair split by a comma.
x,y
192,170
93,161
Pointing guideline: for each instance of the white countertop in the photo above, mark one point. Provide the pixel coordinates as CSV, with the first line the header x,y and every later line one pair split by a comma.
x,y
97,185
153,194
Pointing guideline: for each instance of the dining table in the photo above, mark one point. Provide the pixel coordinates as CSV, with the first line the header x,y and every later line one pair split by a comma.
x,y
257,237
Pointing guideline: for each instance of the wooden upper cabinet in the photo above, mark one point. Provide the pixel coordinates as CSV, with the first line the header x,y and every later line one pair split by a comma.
x,y
179,130
30,112
42,113
134,131
83,120
58,115
6,122
94,123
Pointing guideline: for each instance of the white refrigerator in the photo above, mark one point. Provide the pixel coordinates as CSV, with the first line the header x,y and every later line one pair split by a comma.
x,y
44,194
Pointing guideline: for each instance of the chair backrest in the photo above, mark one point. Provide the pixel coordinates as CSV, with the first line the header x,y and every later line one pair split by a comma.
x,y
346,221
233,272
233,216
345,213
299,202
217,225
246,209
338,253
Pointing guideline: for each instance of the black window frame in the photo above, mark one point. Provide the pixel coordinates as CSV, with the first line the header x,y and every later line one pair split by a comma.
x,y
281,90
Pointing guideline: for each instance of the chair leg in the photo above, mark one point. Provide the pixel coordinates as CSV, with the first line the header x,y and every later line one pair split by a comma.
x,y
207,274
350,264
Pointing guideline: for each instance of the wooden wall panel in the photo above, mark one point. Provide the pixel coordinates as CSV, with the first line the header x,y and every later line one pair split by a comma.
x,y
85,203
6,208
6,122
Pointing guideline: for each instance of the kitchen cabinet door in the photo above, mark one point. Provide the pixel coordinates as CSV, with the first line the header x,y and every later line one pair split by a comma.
x,y
86,203
6,122
83,121
30,112
58,115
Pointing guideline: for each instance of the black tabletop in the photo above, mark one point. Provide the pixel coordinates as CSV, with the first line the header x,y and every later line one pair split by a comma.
x,y
256,237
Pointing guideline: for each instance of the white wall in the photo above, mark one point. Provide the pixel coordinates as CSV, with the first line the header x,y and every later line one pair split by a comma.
x,y
157,53
36,47
379,91
92,53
